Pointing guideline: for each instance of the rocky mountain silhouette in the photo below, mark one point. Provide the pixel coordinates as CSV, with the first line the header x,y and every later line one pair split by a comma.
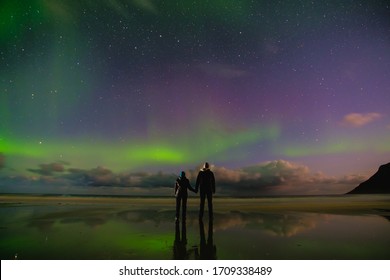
x,y
377,183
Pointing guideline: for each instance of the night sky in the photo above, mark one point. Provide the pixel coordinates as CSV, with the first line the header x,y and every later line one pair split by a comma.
x,y
119,96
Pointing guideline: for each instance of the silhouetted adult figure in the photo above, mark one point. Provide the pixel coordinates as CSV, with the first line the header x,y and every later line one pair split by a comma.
x,y
206,250
205,183
181,193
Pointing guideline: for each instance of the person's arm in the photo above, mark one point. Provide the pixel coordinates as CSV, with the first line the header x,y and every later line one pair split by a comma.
x,y
212,182
197,183
176,187
189,186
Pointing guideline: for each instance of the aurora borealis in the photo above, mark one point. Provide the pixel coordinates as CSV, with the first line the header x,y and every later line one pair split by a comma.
x,y
116,96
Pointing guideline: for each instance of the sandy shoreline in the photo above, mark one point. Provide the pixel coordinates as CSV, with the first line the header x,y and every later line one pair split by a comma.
x,y
319,204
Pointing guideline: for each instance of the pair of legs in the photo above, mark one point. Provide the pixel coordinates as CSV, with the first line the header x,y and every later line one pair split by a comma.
x,y
203,197
181,202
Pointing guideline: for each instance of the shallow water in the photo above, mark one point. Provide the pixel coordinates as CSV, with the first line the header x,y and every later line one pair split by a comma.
x,y
120,231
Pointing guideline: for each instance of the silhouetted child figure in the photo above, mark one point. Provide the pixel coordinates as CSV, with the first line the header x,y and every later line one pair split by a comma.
x,y
181,193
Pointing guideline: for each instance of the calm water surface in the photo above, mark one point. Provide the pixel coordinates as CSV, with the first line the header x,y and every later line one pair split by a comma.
x,y
109,231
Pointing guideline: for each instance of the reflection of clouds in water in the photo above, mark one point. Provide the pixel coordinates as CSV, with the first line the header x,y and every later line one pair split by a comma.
x,y
145,215
289,225
272,223
146,230
275,224
232,220
91,217
42,225
90,221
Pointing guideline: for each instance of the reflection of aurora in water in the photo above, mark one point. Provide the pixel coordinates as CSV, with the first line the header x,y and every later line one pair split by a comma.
x,y
109,231
272,223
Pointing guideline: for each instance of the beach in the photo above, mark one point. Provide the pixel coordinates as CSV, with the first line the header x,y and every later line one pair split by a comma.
x,y
98,227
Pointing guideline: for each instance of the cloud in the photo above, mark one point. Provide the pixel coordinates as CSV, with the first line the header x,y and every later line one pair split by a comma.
x,y
278,177
49,169
358,119
104,177
99,176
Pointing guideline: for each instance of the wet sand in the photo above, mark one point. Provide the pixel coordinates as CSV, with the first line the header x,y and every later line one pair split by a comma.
x,y
325,204
319,227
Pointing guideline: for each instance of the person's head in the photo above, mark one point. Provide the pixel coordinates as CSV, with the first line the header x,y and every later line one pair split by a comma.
x,y
206,165
182,174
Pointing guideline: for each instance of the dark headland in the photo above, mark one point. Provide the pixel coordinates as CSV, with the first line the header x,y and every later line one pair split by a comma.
x,y
376,184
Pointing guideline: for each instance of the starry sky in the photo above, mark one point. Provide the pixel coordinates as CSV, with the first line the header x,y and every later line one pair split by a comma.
x,y
119,96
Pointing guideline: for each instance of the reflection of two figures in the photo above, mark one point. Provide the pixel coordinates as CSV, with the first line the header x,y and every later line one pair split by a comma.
x,y
206,250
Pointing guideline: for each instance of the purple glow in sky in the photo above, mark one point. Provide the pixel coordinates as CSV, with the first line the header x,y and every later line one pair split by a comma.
x,y
282,97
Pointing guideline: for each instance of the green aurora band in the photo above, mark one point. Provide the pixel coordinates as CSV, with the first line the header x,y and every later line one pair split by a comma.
x,y
180,150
